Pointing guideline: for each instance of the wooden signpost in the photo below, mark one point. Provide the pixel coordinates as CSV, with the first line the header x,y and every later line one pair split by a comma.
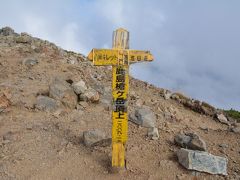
x,y
120,57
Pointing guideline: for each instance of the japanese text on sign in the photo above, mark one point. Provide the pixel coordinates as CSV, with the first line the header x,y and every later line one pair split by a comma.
x,y
118,57
120,89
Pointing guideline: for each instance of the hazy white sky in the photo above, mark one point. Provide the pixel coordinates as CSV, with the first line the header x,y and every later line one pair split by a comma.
x,y
196,43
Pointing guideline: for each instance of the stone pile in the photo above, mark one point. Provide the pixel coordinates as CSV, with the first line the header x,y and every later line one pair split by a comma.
x,y
62,94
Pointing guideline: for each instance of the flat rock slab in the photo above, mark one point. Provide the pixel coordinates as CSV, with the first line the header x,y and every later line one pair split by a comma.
x,y
202,161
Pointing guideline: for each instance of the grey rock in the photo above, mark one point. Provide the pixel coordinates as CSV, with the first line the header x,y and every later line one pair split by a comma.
x,y
223,145
30,62
72,61
202,161
79,87
48,104
25,39
107,104
175,96
182,140
235,129
83,104
133,95
208,109
90,95
153,133
190,141
9,136
35,49
93,137
167,115
222,119
143,116
7,31
60,90
167,94
197,143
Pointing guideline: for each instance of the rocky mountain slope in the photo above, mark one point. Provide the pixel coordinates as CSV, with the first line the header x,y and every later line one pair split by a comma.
x,y
55,120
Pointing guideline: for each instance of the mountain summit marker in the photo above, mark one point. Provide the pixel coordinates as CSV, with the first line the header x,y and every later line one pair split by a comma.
x,y
120,57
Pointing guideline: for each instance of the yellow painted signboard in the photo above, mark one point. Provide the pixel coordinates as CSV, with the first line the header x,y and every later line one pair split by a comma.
x,y
119,58
120,87
101,57
136,56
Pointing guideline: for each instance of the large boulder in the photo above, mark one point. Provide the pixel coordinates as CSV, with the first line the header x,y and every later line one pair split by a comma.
x,y
48,104
190,141
202,161
61,90
143,116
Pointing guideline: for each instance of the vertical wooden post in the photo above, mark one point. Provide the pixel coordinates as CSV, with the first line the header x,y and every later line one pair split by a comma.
x,y
119,128
119,57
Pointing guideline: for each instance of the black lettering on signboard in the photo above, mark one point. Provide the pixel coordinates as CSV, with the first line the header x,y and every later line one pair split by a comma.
x,y
120,86
132,58
139,58
120,70
99,57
